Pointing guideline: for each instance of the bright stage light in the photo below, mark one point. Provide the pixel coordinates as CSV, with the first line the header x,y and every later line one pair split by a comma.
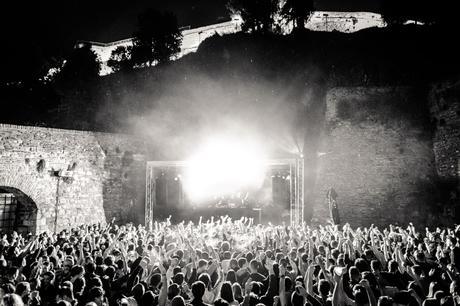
x,y
224,166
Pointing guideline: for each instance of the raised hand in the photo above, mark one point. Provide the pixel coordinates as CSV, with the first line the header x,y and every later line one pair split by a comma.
x,y
365,283
248,286
301,291
162,268
319,260
269,264
282,270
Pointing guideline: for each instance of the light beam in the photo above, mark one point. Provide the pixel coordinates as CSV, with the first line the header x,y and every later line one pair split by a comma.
x,y
223,166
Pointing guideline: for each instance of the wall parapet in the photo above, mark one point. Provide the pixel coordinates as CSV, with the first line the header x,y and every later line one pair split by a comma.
x,y
60,130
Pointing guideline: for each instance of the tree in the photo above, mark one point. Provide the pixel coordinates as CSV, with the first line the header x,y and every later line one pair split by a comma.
x,y
394,12
81,65
257,15
121,59
76,85
297,11
158,38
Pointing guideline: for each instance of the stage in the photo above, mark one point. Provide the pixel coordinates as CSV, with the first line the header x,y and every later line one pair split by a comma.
x,y
280,197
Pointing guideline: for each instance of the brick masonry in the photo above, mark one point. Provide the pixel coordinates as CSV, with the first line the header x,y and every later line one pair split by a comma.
x,y
106,175
444,101
380,163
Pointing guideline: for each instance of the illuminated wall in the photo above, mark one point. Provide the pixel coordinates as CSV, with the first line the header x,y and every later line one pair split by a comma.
x,y
445,112
377,153
346,22
105,174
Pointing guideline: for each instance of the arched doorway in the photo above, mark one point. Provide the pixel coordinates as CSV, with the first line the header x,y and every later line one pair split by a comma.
x,y
18,212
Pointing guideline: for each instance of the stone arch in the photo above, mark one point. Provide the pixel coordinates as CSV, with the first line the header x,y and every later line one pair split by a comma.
x,y
24,210
26,184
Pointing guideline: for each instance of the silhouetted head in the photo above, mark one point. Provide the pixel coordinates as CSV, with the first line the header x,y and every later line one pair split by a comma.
x,y
198,289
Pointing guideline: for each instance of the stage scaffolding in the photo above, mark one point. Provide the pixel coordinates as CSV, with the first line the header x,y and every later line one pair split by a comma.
x,y
296,186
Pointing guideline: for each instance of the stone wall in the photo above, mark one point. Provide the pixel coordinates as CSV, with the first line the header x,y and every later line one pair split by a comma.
x,y
191,40
328,21
378,151
444,101
346,22
102,175
377,154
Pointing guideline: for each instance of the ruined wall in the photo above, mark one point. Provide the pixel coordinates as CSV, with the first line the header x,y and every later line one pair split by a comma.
x,y
191,40
377,154
104,174
328,21
444,101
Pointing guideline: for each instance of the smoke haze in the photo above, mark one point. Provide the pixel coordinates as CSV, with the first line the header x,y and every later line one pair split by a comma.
x,y
197,107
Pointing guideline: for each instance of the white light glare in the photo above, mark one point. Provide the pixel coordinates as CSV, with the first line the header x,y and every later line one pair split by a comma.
x,y
224,166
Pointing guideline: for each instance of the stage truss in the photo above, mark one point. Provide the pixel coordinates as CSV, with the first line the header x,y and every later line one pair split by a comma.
x,y
296,186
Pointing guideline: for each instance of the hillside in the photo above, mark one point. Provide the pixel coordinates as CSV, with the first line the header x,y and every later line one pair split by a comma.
x,y
240,74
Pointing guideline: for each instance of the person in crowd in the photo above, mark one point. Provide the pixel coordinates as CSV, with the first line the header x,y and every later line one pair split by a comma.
x,y
198,291
231,262
12,299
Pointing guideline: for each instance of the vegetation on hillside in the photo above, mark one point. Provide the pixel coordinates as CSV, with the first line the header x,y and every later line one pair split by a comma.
x,y
412,55
293,65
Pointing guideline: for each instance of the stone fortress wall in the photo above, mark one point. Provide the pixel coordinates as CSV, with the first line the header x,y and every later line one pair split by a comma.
x,y
347,22
382,158
83,177
445,113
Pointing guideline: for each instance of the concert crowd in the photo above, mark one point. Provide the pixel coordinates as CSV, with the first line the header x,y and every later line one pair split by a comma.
x,y
231,262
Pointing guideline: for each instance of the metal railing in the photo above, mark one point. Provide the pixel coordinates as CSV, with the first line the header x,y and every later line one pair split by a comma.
x,y
8,215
